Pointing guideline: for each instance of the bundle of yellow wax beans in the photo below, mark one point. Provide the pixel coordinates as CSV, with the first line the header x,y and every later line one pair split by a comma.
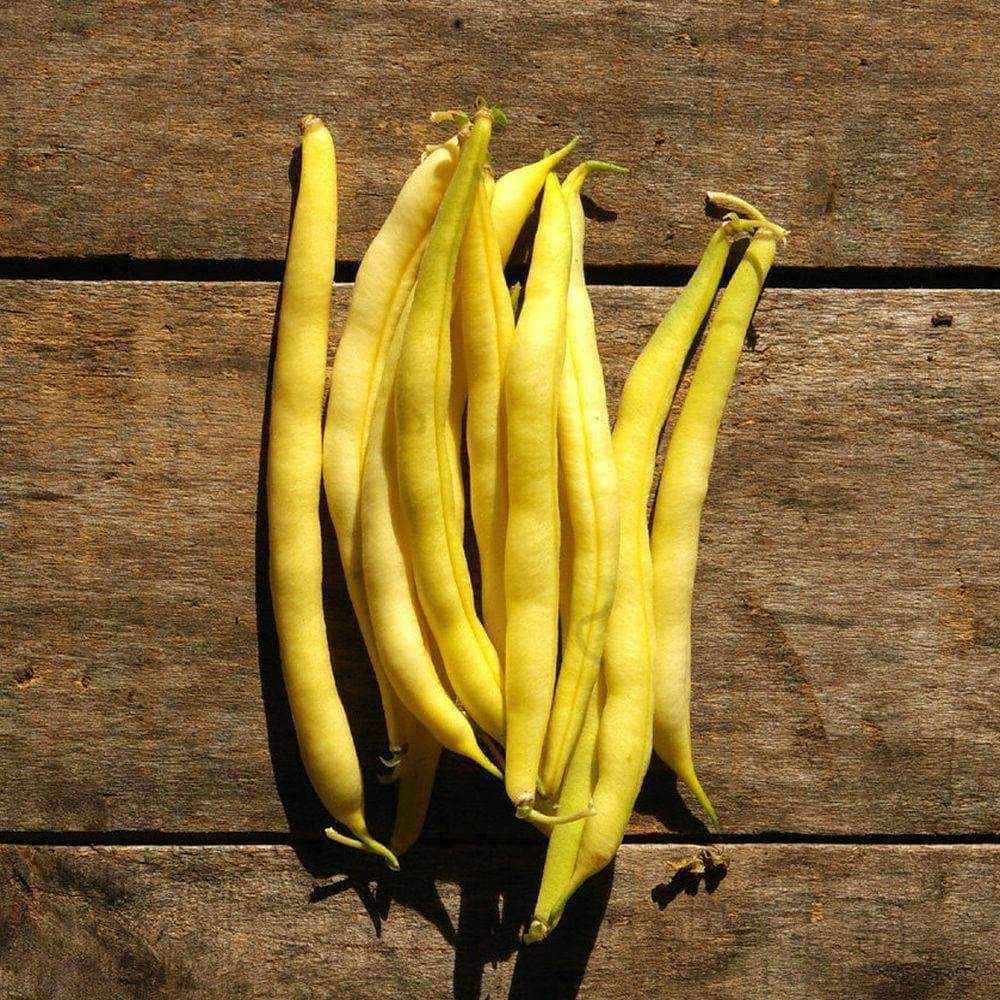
x,y
574,662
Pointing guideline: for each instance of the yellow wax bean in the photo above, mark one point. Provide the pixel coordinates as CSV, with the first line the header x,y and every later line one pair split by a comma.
x,y
425,446
405,647
589,481
531,570
683,487
564,841
294,469
382,287
487,326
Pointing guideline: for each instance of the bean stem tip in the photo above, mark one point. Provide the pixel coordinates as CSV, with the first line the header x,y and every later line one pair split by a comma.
x,y
309,123
537,931
716,201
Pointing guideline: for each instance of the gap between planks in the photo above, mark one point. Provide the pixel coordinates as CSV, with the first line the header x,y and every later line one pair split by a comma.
x,y
252,838
125,268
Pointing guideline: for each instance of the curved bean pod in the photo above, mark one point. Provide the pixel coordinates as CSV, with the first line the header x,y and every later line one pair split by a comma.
x,y
531,563
382,287
405,648
677,520
590,495
487,326
424,448
514,196
294,471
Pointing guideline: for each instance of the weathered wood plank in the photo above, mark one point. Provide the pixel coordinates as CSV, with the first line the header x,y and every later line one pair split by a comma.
x,y
846,625
787,921
164,130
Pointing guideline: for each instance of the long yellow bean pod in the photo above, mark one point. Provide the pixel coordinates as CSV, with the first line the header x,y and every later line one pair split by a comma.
x,y
405,647
294,471
515,193
683,486
531,565
625,731
487,325
425,444
590,496
382,287
485,321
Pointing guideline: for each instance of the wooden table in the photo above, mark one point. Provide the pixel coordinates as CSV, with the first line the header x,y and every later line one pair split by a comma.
x,y
157,835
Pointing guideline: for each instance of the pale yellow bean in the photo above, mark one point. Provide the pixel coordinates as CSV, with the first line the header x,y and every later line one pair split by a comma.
x,y
487,327
405,646
589,493
383,284
676,524
425,447
564,841
294,470
531,566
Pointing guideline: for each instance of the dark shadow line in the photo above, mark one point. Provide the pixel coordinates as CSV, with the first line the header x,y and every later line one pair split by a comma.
x,y
112,267
115,267
271,838
822,839
792,276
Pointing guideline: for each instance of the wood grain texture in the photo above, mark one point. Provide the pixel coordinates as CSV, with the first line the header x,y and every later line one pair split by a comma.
x,y
164,130
846,611
786,922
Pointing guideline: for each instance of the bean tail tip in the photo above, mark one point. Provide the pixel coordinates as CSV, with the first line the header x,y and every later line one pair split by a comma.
x,y
374,847
691,780
399,846
561,154
490,768
575,178
716,825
